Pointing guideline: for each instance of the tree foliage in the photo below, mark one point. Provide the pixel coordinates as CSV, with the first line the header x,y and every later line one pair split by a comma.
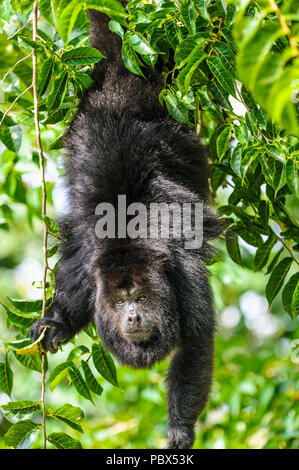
x,y
233,79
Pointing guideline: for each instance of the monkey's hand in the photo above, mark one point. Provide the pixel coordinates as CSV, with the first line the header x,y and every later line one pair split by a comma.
x,y
180,438
57,333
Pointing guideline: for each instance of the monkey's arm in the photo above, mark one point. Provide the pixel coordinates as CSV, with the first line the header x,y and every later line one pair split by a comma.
x,y
189,379
190,373
71,309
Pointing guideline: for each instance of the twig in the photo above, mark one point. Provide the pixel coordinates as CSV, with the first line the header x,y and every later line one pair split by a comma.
x,y
43,399
14,66
44,202
285,27
20,29
287,248
282,227
13,103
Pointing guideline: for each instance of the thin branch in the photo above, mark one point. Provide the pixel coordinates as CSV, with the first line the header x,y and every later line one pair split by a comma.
x,y
287,248
14,66
44,201
13,103
284,26
20,29
43,399
282,227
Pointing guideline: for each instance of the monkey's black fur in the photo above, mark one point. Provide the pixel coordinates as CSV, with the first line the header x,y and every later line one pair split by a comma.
x,y
123,142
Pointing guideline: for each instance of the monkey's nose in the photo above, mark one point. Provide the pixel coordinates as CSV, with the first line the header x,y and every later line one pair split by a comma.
x,y
134,319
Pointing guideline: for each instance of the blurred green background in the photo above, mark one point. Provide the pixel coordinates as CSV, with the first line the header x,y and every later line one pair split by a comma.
x,y
254,401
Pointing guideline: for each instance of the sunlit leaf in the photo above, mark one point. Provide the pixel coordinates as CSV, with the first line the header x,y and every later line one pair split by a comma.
x,y
104,363
22,434
61,440
277,277
6,376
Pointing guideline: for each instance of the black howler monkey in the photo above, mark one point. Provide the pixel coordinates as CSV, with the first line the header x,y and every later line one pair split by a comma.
x,y
149,297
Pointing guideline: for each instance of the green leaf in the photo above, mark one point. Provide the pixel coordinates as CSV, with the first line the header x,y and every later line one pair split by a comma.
x,y
52,251
176,108
222,142
26,306
7,139
83,80
264,212
253,52
274,260
267,170
58,373
235,159
67,19
140,44
232,246
77,352
79,383
68,414
130,58
61,440
22,434
8,121
277,277
22,320
221,96
292,177
58,91
221,74
15,411
57,143
116,28
263,252
290,295
47,10
81,56
30,362
188,15
194,59
6,376
93,384
51,225
202,8
246,161
104,363
279,177
172,33
45,76
186,48
226,56
32,44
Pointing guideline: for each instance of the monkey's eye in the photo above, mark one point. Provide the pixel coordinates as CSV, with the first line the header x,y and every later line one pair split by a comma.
x,y
119,301
142,298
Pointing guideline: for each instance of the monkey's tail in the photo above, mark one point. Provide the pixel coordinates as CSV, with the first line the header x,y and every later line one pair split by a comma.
x,y
101,37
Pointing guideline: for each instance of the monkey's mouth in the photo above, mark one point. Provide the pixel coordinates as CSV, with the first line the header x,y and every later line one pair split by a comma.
x,y
138,334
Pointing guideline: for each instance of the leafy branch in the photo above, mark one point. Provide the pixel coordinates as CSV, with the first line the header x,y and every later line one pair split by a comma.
x,y
44,198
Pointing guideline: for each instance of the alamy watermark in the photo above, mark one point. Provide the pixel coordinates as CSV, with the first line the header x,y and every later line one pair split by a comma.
x,y
156,220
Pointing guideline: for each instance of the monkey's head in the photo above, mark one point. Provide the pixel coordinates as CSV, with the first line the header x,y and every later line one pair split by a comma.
x,y
136,313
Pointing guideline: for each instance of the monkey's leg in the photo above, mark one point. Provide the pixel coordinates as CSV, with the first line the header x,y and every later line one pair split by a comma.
x,y
71,309
189,380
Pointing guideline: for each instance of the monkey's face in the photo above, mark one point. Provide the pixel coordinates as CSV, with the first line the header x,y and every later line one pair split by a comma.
x,y
137,316
133,309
